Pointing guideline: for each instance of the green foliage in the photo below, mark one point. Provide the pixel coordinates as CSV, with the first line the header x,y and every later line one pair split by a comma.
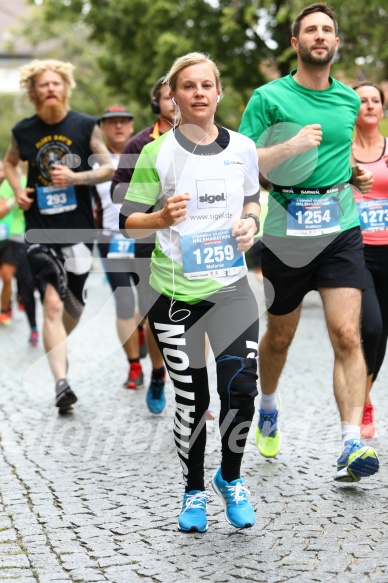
x,y
53,38
363,33
384,126
67,40
120,47
142,37
14,108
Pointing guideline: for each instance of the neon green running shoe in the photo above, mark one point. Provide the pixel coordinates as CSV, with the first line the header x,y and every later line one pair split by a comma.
x,y
356,461
268,436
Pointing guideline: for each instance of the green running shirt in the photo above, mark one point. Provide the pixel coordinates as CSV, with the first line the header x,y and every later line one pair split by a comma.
x,y
279,110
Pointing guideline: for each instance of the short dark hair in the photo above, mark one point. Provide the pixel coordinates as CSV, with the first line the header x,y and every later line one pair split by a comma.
x,y
157,89
368,84
317,7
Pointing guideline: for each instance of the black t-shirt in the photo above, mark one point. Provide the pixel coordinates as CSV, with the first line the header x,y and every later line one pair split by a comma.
x,y
44,144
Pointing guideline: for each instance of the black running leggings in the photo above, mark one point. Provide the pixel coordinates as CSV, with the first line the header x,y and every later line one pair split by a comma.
x,y
230,319
25,282
374,321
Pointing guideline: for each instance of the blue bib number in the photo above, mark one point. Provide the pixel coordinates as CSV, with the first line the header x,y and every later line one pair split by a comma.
x,y
52,200
119,247
373,215
211,254
4,232
312,217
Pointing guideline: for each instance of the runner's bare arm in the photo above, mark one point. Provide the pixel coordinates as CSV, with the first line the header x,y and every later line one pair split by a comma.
x,y
141,225
308,137
11,165
13,175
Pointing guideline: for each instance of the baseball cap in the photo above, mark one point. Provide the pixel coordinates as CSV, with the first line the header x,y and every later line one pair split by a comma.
x,y
115,111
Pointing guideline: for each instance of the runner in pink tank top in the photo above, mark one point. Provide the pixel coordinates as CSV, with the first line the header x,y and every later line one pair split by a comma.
x,y
371,149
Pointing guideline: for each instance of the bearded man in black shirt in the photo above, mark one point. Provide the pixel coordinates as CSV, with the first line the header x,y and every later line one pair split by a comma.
x,y
57,144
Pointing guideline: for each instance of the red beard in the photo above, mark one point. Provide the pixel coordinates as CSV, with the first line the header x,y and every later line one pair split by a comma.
x,y
51,111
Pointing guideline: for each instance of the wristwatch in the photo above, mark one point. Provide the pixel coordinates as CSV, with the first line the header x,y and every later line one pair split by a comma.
x,y
255,218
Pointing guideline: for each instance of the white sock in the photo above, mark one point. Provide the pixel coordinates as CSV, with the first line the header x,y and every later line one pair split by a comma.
x,y
268,403
350,432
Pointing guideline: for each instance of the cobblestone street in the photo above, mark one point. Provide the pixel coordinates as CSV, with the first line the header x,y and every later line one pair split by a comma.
x,y
94,495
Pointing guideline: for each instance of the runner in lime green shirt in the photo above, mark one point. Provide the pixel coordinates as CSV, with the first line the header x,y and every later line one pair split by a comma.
x,y
8,224
15,263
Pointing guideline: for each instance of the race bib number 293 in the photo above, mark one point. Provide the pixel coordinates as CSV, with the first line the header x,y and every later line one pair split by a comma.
x,y
52,200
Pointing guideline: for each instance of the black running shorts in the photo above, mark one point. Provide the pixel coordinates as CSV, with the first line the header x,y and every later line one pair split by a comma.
x,y
7,252
47,266
294,266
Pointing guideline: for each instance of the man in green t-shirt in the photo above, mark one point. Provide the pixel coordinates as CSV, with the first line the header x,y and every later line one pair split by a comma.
x,y
302,125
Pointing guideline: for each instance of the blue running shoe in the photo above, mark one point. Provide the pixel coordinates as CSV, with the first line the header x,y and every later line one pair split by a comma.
x,y
268,436
156,400
356,461
193,514
238,509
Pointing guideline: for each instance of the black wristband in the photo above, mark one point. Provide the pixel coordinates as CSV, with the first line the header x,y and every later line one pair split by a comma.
x,y
255,218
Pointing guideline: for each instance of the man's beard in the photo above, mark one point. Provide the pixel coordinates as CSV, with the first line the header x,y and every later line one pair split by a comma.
x,y
52,112
307,57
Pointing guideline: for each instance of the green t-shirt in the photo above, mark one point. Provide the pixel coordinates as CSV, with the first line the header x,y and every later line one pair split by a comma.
x,y
279,110
14,220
